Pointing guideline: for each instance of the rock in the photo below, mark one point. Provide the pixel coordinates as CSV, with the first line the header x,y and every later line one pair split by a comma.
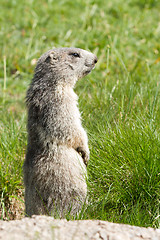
x,y
43,227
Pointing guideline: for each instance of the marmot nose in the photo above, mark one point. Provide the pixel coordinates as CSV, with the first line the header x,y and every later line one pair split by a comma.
x,y
95,60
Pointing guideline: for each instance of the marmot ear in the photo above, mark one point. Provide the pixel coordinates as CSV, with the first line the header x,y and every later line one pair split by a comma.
x,y
51,57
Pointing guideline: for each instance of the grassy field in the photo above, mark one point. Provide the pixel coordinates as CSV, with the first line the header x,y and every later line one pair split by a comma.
x,y
119,100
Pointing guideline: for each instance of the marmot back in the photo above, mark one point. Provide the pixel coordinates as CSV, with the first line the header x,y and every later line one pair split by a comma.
x,y
57,150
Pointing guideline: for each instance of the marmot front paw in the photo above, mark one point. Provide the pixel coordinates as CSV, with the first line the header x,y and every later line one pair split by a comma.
x,y
84,154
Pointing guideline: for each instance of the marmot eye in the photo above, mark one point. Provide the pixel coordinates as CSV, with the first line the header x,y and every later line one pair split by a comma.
x,y
75,54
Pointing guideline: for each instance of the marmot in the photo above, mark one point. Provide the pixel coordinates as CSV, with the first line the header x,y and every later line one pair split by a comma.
x,y
57,150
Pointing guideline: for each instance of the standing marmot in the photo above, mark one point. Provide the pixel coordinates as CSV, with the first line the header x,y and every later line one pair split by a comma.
x,y
57,151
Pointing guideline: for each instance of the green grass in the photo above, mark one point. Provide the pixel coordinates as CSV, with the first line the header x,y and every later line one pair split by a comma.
x,y
119,101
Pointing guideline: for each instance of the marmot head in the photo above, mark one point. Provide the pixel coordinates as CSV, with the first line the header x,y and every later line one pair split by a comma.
x,y
65,65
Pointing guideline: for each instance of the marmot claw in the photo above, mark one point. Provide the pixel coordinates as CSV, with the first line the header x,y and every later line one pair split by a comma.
x,y
83,154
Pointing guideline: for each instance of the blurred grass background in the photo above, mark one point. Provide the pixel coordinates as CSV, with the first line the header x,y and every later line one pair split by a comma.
x,y
119,100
